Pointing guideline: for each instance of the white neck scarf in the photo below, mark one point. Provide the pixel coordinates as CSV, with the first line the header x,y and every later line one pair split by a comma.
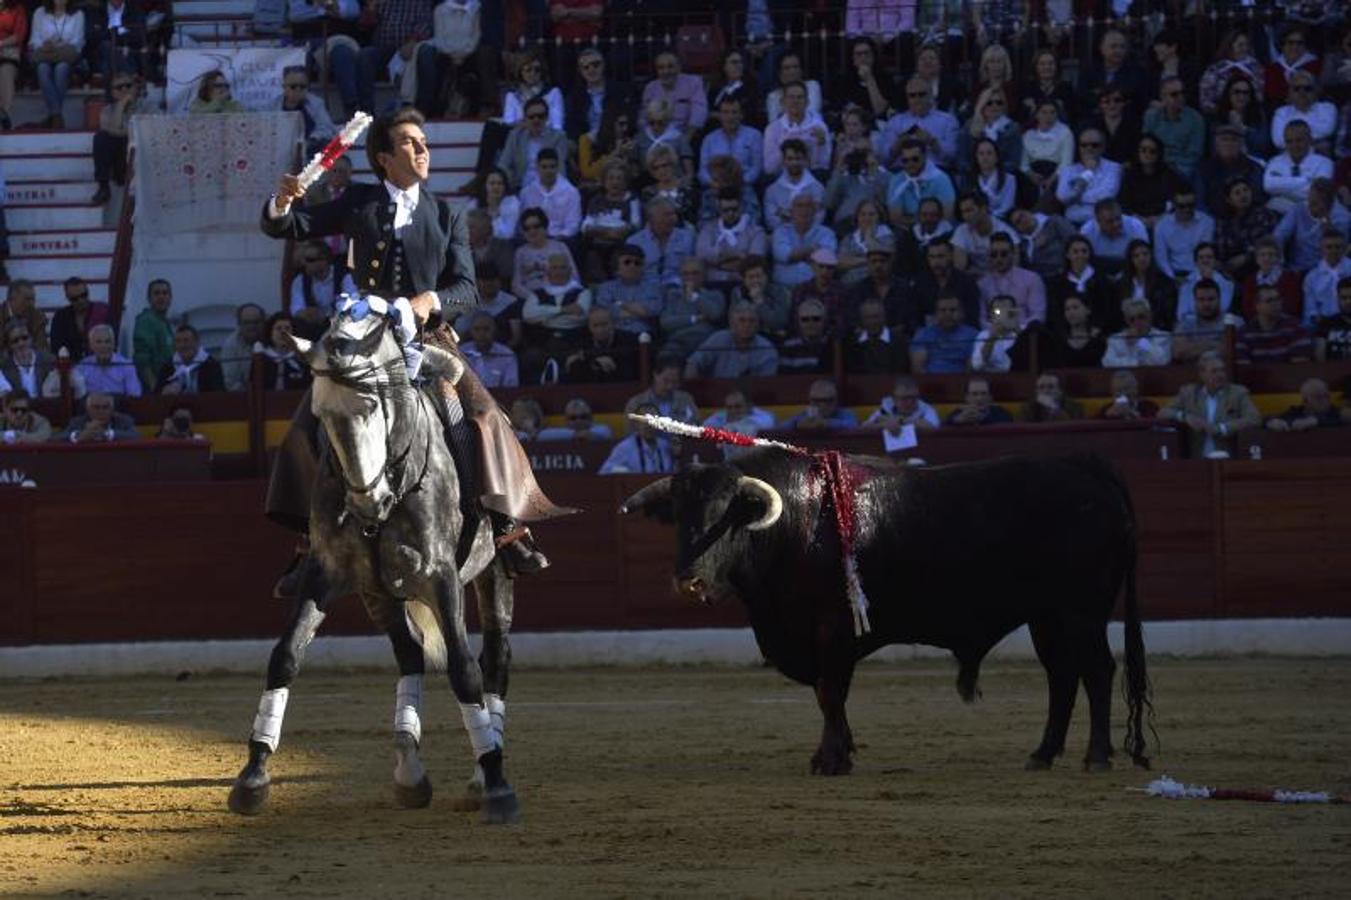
x,y
1080,281
731,236
559,291
185,373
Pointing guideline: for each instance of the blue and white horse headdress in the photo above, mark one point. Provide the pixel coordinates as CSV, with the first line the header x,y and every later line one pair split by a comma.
x,y
399,312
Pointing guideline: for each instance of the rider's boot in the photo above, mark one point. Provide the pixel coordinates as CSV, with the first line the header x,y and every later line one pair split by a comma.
x,y
516,547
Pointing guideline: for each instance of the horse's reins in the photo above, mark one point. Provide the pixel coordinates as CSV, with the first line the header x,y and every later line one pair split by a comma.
x,y
355,378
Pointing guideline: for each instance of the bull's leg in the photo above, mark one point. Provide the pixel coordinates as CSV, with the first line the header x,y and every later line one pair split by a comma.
x,y
496,602
500,805
412,787
833,756
250,790
1062,681
1097,669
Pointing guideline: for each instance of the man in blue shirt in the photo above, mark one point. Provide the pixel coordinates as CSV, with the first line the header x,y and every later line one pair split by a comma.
x,y
979,408
944,347
935,129
918,180
823,410
733,139
646,450
1178,233
736,351
631,297
1300,231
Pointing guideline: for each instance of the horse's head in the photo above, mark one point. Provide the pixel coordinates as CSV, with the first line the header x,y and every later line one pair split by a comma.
x,y
362,390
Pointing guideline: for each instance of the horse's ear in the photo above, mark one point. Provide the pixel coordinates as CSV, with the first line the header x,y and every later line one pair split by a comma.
x,y
303,348
436,361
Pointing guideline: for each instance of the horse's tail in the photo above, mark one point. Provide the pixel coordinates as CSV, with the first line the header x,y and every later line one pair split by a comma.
x,y
424,620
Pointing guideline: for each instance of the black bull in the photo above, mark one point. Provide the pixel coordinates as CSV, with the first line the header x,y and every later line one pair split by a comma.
x,y
954,556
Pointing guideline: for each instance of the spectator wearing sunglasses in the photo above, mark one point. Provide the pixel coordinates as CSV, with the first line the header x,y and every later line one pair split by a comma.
x,y
22,425
1179,127
529,136
110,141
213,96
25,367
296,97
72,323
1302,105
1093,178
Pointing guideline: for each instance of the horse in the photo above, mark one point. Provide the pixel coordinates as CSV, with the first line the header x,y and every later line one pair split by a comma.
x,y
390,521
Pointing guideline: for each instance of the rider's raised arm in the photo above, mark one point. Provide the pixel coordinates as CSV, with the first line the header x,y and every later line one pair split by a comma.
x,y
299,222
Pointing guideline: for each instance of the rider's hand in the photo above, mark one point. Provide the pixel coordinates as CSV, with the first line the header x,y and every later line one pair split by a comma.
x,y
423,305
288,190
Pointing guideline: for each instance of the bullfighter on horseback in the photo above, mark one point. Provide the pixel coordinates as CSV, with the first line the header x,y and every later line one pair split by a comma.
x,y
407,242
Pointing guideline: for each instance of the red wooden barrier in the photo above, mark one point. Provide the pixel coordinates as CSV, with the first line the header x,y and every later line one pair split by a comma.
x,y
113,563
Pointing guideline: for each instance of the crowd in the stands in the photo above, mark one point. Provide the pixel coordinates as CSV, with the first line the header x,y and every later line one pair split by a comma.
x,y
1021,189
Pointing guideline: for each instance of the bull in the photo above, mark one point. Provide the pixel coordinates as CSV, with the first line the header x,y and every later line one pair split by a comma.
x,y
952,556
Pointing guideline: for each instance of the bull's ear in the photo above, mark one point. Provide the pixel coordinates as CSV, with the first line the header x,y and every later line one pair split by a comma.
x,y
653,501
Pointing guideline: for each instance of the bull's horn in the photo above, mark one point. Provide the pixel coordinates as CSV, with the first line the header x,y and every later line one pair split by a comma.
x,y
654,492
770,497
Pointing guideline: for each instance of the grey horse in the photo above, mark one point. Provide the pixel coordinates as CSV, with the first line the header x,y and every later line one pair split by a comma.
x,y
386,524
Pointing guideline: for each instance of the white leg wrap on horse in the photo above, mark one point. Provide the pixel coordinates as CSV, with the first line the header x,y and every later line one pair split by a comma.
x,y
267,724
497,711
482,736
407,703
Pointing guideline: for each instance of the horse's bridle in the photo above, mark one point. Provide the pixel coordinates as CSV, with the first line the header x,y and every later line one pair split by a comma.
x,y
355,378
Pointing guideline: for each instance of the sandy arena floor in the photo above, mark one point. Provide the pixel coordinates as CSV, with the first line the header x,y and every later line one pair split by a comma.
x,y
675,781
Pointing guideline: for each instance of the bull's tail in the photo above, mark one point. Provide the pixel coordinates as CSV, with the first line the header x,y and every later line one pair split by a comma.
x,y
1136,687
424,620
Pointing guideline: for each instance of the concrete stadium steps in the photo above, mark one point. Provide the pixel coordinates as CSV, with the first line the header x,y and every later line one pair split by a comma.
x,y
186,9
65,217
57,268
62,168
45,193
51,295
46,156
55,232
225,23
37,143
39,244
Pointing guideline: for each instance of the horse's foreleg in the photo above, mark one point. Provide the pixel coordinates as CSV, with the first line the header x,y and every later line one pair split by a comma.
x,y
250,790
412,787
466,680
496,602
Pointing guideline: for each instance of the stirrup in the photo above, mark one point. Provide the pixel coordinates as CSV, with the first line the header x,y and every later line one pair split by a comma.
x,y
519,554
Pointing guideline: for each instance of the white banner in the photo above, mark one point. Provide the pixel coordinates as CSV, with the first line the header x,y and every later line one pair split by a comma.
x,y
209,173
254,74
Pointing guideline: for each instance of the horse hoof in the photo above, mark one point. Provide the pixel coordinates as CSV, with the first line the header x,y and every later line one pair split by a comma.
x,y
419,796
248,800
472,800
501,807
1036,764
831,765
